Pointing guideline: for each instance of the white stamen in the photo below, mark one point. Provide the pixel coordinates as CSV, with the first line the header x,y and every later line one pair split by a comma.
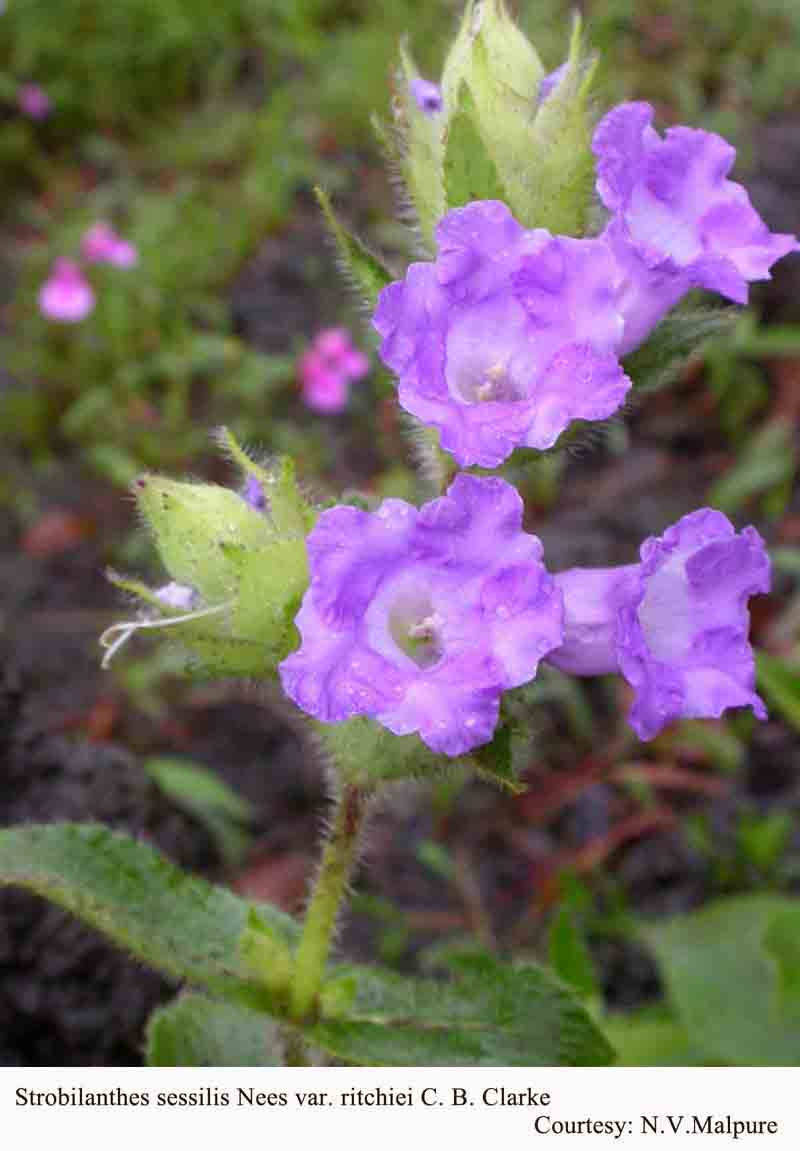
x,y
426,628
491,378
127,629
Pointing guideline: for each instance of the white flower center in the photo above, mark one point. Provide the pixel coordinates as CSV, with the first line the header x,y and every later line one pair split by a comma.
x,y
665,613
416,628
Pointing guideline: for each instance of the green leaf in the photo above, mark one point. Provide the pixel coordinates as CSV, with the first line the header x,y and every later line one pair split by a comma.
x,y
271,587
197,788
202,793
649,1039
683,333
172,921
367,273
266,954
290,513
491,1014
719,743
723,981
559,195
469,171
113,462
195,1031
780,683
767,462
762,838
782,940
569,955
786,559
495,760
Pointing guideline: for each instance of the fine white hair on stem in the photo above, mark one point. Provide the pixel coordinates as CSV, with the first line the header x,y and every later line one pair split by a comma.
x,y
116,636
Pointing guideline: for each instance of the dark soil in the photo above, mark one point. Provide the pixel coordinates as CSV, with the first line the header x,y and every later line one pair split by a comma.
x,y
66,996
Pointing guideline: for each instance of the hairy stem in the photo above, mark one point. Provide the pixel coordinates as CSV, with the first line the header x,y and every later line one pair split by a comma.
x,y
294,1049
338,858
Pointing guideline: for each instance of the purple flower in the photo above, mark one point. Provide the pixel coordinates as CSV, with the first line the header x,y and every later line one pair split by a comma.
x,y
421,618
33,101
675,625
102,245
427,96
66,295
506,338
552,81
592,599
677,221
177,595
253,493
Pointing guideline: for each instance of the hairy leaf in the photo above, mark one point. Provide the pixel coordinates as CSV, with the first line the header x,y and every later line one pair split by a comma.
x,y
195,1031
469,171
272,584
364,752
558,195
368,274
172,921
491,1014
683,333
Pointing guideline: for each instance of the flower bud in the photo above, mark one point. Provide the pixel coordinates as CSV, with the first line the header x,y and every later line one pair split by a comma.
x,y
539,148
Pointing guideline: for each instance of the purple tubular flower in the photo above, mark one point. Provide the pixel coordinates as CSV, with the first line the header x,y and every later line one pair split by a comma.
x,y
426,95
592,599
677,221
507,337
421,618
675,625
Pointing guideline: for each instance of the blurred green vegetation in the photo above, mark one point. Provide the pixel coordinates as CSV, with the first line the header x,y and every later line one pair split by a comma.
x,y
193,125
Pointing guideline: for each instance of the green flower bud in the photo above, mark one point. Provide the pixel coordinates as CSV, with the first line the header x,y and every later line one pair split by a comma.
x,y
496,138
195,527
419,150
240,558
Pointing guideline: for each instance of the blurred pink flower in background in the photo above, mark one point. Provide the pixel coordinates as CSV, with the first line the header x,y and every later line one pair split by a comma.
x,y
102,245
66,294
33,101
328,367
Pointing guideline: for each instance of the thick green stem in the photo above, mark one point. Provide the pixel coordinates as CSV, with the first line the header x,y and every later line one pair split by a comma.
x,y
336,867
